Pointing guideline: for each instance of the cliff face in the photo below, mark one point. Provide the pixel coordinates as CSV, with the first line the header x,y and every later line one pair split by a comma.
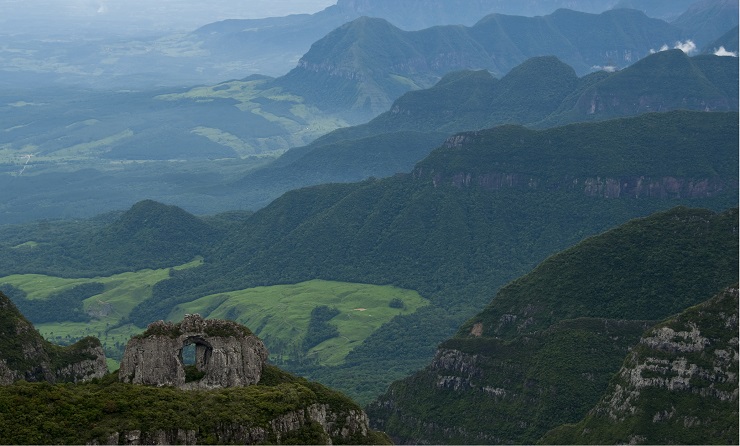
x,y
678,385
226,355
25,355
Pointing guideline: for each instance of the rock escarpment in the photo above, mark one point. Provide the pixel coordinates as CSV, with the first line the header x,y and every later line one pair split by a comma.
x,y
678,385
26,355
226,355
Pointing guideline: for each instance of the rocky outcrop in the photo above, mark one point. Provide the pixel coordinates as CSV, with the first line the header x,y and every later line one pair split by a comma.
x,y
596,186
226,355
682,356
26,355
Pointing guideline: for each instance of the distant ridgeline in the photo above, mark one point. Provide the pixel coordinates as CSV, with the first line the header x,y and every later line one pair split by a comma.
x,y
245,401
545,349
365,64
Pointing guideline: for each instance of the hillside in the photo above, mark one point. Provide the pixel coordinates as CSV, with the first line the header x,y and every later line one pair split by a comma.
x,y
191,146
678,385
542,353
480,211
728,41
149,235
234,48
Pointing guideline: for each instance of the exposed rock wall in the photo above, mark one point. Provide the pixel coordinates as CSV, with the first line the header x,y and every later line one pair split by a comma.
x,y
606,187
227,355
681,356
25,354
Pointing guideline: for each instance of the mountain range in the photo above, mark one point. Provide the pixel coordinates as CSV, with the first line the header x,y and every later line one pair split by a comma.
x,y
530,236
541,92
477,212
369,62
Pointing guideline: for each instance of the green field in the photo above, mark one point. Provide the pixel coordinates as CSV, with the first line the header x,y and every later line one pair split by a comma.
x,y
280,314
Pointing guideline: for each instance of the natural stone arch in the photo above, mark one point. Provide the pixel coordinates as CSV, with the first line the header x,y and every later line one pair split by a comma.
x,y
203,350
226,354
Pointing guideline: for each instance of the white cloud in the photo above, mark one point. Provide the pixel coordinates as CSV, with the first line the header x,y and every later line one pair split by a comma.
x,y
687,47
607,68
723,52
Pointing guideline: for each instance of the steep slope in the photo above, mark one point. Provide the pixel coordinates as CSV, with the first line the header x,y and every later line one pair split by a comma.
x,y
666,80
678,385
478,212
25,355
543,351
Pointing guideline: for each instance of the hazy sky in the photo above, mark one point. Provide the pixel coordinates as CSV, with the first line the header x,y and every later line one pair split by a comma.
x,y
60,15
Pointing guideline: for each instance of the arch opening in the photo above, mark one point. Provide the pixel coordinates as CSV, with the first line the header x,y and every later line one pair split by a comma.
x,y
195,354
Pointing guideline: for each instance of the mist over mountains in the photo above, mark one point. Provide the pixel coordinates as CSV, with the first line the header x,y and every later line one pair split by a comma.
x,y
485,221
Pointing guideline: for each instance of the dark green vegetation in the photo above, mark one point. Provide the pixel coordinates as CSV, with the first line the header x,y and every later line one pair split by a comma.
x,y
62,306
77,414
540,92
191,147
678,385
149,235
319,329
542,353
24,354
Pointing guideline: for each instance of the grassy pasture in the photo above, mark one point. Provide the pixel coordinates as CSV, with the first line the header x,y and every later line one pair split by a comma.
x,y
280,314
